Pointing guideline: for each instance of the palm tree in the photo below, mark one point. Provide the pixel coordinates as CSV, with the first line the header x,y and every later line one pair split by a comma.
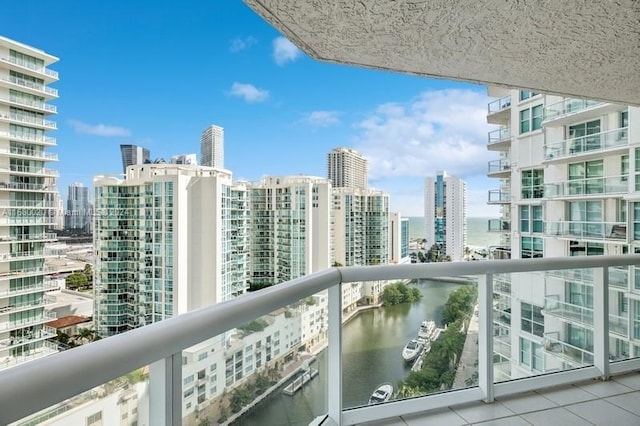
x,y
85,335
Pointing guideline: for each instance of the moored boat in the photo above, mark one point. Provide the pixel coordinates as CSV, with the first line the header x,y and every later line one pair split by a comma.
x,y
381,394
427,328
412,349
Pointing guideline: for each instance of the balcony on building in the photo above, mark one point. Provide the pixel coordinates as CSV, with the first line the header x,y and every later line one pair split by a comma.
x,y
587,230
499,225
21,103
499,168
587,188
29,121
499,196
589,146
28,154
571,111
499,139
29,138
16,83
499,111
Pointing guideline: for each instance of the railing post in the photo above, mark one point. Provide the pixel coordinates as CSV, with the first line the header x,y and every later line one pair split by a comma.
x,y
601,320
334,373
485,336
165,391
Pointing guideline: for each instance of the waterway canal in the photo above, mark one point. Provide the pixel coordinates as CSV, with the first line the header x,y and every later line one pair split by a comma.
x,y
372,345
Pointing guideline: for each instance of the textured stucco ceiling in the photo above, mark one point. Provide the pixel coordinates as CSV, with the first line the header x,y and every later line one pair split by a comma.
x,y
582,48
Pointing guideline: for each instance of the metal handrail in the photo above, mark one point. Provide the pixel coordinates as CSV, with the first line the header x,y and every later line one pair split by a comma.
x,y
32,384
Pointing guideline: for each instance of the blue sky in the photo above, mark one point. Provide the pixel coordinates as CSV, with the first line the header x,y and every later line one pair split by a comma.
x,y
156,73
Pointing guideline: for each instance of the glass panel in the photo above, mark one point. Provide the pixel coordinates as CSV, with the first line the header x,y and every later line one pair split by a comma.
x,y
524,218
524,120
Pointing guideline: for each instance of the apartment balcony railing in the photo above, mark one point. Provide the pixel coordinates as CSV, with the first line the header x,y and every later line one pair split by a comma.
x,y
26,137
160,345
39,319
36,87
499,225
40,155
499,196
554,305
47,124
568,106
618,277
587,230
575,355
41,106
29,170
499,110
42,70
595,143
499,139
499,168
35,288
600,186
26,186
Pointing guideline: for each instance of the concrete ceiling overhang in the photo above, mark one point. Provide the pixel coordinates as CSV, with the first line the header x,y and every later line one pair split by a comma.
x,y
579,48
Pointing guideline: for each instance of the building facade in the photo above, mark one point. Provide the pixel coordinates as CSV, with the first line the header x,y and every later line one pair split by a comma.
x,y
188,159
26,188
398,239
78,213
168,239
445,212
212,147
567,170
346,168
133,154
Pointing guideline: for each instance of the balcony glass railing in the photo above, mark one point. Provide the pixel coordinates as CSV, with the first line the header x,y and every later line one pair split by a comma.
x,y
31,66
596,142
161,365
30,84
500,135
45,140
33,104
554,305
568,106
499,166
611,185
30,120
499,196
499,225
615,231
499,105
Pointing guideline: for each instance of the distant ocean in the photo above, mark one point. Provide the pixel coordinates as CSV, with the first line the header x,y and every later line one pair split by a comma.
x,y
477,234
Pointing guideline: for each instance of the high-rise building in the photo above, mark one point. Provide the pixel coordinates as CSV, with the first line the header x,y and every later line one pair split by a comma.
x,y
445,213
26,188
78,214
568,171
168,239
398,239
188,159
290,228
346,168
212,147
133,154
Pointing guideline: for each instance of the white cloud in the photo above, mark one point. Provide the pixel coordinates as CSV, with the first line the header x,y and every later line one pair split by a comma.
x,y
249,92
406,142
239,43
322,118
284,51
98,129
443,129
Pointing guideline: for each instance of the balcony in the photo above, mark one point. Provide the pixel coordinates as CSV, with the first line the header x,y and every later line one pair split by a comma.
x,y
499,168
29,154
587,230
29,138
40,106
499,225
499,196
571,111
28,86
46,73
555,306
500,139
499,111
589,146
18,186
161,345
587,188
34,122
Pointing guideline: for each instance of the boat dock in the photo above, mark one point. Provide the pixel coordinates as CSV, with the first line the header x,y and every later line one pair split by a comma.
x,y
297,383
417,365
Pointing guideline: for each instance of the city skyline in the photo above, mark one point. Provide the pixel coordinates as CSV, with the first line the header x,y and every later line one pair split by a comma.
x,y
406,131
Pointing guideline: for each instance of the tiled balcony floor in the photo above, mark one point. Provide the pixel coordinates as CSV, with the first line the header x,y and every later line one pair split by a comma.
x,y
614,402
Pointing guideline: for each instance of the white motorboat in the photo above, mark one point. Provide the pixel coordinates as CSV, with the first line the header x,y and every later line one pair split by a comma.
x,y
381,394
412,349
427,328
